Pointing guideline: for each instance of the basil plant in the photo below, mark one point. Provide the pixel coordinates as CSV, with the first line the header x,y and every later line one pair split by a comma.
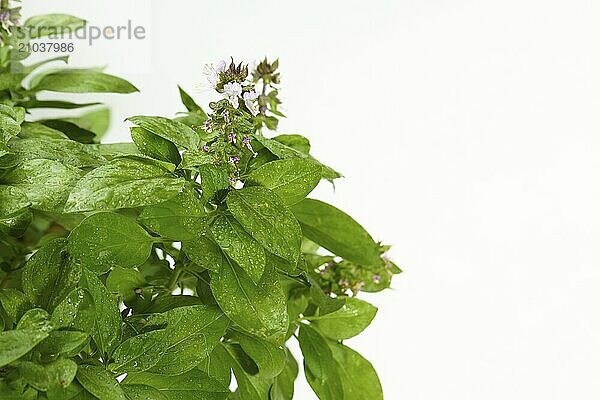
x,y
160,268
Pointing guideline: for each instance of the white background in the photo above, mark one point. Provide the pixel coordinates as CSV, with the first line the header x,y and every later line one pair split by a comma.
x,y
468,135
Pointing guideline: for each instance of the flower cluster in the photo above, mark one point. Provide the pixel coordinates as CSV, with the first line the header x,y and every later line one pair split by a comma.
x,y
340,276
231,81
9,18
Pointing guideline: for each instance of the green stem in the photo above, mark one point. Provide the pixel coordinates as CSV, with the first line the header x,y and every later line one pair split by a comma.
x,y
174,279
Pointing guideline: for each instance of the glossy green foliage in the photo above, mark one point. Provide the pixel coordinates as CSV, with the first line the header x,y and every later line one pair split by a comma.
x,y
178,261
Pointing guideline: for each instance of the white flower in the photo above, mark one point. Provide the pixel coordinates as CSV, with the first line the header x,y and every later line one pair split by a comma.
x,y
232,91
249,98
213,74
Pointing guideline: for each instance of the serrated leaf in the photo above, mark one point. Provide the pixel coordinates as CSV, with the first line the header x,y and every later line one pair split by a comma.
x,y
176,132
263,215
106,239
239,245
50,275
350,320
336,231
83,81
291,179
123,183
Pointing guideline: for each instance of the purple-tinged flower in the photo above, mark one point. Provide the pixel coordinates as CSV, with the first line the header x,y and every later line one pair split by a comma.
x,y
207,126
6,21
246,140
376,279
232,138
234,160
205,148
232,181
225,114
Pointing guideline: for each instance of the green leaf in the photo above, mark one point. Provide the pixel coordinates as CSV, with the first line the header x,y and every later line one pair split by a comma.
x,y
205,253
263,215
283,387
46,183
320,368
59,373
67,152
106,239
10,126
348,321
359,379
123,183
190,335
283,151
181,218
193,159
96,121
100,383
83,81
107,318
269,357
155,146
188,102
32,329
250,387
50,275
176,132
67,343
14,303
336,231
258,309
58,104
52,24
239,245
216,365
72,392
194,384
142,392
125,282
214,181
296,142
70,129
15,214
76,311
139,353
33,130
291,179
